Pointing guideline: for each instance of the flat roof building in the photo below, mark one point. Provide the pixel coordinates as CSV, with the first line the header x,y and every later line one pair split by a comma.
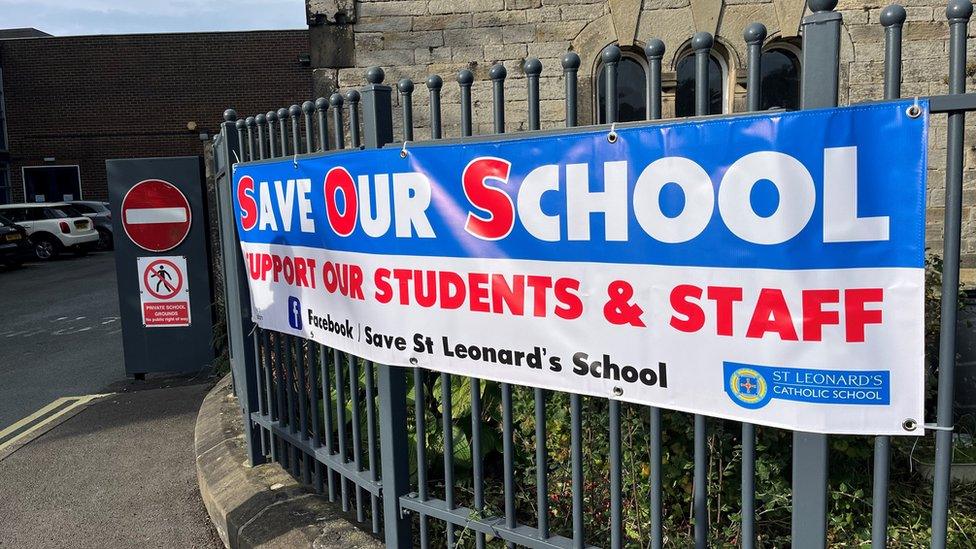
x,y
69,103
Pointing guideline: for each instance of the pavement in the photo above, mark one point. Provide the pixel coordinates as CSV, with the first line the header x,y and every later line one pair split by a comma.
x,y
112,471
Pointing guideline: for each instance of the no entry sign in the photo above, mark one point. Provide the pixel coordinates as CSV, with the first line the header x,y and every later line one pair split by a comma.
x,y
155,215
163,291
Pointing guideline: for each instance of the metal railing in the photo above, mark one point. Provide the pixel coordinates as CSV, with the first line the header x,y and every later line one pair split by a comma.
x,y
307,406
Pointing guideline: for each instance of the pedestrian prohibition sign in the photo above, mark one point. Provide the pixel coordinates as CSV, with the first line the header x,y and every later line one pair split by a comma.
x,y
163,291
155,215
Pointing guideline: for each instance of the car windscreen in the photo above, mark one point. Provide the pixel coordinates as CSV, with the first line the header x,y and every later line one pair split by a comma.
x,y
64,211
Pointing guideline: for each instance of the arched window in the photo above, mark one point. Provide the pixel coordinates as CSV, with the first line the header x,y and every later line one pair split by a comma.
x,y
631,90
684,94
780,78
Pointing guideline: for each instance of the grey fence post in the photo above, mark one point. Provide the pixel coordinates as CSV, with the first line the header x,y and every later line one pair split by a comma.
x,y
754,36
892,18
391,380
377,109
821,60
958,13
236,297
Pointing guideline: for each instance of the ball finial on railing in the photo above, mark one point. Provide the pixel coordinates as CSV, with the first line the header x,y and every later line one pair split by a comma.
x,y
570,60
959,10
294,111
250,121
497,72
754,33
893,15
321,104
533,67
308,107
272,116
610,54
282,113
261,119
230,115
654,48
817,6
465,77
336,99
375,75
434,82
240,123
702,41
405,85
352,96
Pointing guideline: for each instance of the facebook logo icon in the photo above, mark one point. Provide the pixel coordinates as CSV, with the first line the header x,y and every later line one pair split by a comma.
x,y
294,313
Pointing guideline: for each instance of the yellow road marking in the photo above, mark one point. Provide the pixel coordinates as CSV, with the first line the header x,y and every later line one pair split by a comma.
x,y
78,401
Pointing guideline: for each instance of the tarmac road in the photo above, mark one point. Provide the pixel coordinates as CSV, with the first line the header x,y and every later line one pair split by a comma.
x,y
59,332
113,472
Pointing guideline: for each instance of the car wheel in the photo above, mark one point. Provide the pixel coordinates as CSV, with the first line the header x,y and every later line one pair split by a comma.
x,y
104,240
45,248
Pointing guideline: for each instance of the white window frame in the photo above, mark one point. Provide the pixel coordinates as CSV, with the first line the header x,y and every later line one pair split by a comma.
x,y
23,178
5,168
3,116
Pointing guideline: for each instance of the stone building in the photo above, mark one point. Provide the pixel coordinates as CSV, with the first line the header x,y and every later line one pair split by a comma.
x,y
415,38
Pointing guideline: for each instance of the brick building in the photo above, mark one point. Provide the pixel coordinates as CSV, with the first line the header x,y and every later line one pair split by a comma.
x,y
414,38
70,103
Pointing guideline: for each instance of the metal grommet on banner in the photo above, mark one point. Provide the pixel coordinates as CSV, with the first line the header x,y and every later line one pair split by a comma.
x,y
909,424
618,391
403,151
612,136
914,110
294,160
413,361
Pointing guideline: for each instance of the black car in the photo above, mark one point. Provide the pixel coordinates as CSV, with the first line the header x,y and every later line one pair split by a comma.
x,y
15,248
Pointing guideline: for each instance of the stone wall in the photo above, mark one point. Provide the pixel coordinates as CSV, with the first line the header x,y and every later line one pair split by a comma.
x,y
415,38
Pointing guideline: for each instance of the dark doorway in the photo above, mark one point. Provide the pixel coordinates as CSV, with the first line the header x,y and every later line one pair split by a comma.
x,y
52,183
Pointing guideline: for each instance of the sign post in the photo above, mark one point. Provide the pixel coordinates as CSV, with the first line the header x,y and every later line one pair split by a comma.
x,y
161,210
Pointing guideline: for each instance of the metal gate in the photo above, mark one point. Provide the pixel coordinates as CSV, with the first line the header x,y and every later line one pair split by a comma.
x,y
307,406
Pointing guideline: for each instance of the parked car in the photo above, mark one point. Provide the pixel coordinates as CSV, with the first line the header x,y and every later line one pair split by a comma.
x,y
101,215
15,247
53,227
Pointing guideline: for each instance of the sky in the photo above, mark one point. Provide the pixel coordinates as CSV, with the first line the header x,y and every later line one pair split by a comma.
x,y
68,17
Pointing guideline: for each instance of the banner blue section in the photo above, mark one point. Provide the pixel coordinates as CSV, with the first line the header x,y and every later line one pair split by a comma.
x,y
821,189
753,386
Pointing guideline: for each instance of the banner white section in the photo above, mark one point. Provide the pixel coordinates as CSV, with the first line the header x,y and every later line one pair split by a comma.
x,y
828,351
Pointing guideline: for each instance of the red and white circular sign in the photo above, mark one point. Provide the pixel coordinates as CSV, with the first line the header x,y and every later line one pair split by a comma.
x,y
162,279
155,215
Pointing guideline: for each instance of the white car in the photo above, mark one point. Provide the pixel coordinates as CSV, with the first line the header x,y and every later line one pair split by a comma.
x,y
53,227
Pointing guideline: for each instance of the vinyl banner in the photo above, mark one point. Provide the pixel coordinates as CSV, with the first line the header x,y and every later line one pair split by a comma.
x,y
765,268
